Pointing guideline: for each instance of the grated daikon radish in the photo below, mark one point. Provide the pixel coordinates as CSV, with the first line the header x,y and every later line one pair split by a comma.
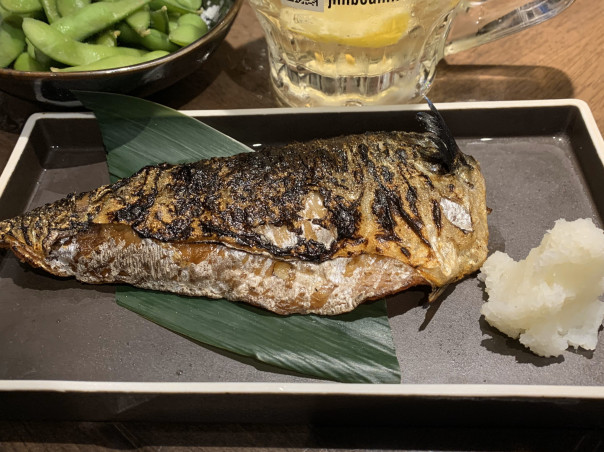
x,y
549,301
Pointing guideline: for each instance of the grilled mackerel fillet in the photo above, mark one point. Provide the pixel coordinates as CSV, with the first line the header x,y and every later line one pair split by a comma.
x,y
316,227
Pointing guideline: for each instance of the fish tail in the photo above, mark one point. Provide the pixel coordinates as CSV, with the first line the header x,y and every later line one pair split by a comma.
x,y
5,228
12,232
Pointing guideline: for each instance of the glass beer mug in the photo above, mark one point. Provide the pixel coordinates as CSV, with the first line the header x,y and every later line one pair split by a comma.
x,y
365,52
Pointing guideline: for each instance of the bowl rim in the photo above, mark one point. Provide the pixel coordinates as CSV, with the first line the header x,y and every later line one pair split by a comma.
x,y
216,30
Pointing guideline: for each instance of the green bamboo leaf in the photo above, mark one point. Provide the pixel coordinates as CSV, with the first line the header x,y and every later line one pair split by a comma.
x,y
138,133
354,347
347,348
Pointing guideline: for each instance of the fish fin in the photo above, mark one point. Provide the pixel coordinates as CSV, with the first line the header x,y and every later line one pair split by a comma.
x,y
436,125
436,293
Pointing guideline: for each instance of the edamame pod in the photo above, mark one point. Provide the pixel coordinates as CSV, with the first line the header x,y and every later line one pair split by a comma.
x,y
26,63
51,10
172,6
31,50
173,20
185,35
66,50
159,20
140,21
68,7
10,17
192,19
12,43
155,40
107,38
36,54
115,62
194,5
21,6
190,27
96,17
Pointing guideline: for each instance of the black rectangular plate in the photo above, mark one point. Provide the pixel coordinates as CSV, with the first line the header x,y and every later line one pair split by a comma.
x,y
67,351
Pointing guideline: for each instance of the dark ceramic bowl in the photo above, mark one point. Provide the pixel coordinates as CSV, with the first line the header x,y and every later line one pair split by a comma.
x,y
144,79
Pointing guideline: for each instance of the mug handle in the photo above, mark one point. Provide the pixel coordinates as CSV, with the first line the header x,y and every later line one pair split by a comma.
x,y
480,21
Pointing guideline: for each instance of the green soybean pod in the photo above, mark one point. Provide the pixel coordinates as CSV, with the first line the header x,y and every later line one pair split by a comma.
x,y
36,54
21,6
68,7
115,61
66,50
154,40
96,17
159,20
127,35
172,5
12,43
194,5
9,16
140,20
30,48
51,10
107,38
186,34
26,63
190,28
173,21
194,20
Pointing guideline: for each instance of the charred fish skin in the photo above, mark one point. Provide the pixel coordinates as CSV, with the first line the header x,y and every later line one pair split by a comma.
x,y
301,221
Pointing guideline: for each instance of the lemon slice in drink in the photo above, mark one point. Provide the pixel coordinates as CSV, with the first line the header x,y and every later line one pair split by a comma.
x,y
357,26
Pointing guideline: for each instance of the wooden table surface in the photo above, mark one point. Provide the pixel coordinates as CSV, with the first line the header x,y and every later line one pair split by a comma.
x,y
561,58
